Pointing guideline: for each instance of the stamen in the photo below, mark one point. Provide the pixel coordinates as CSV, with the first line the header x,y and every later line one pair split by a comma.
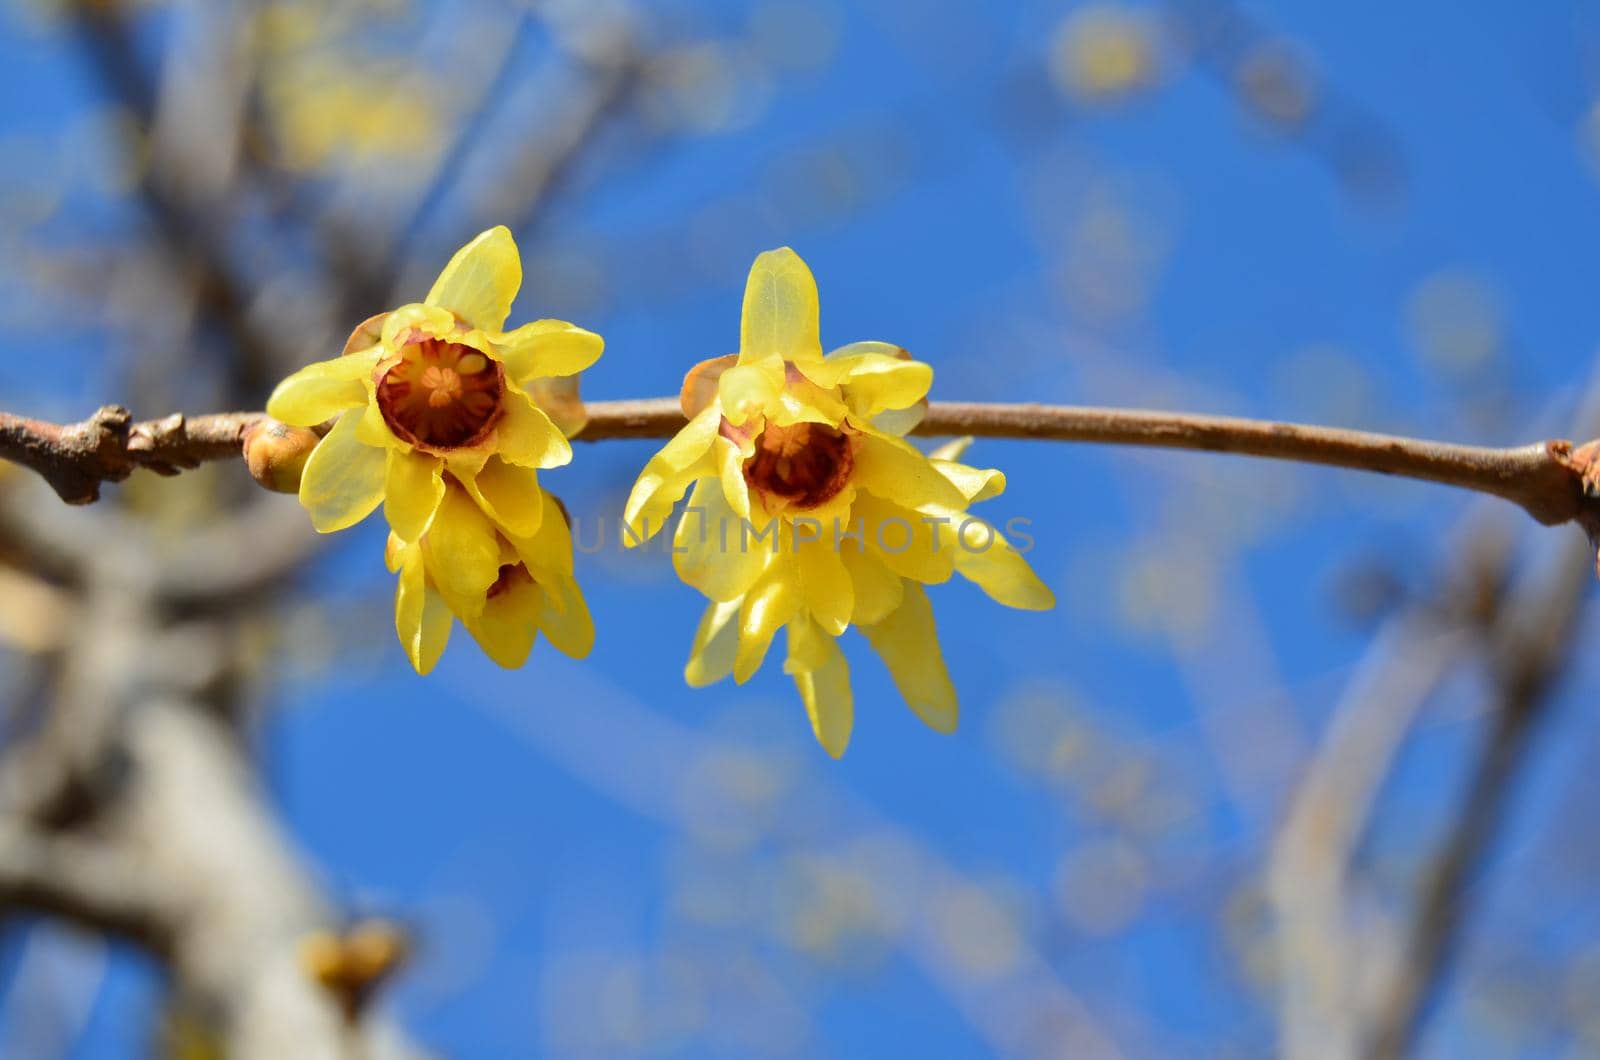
x,y
802,466
440,395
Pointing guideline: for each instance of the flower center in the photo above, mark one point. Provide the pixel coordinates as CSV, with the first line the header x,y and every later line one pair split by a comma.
x,y
804,465
440,395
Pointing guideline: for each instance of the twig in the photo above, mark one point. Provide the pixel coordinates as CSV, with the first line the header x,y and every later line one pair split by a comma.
x,y
76,457
188,230
1547,479
531,180
1531,650
1308,878
361,254
1539,477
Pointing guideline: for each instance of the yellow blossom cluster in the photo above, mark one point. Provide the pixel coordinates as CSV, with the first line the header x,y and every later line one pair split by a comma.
x,y
808,511
811,514
435,413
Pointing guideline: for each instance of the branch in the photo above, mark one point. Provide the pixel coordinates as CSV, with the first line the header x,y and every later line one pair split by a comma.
x,y
86,882
75,458
1541,478
1551,481
133,807
1530,651
1327,950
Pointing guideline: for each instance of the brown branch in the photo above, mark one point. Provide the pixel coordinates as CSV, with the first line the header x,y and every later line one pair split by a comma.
x,y
76,457
1540,478
1545,478
1551,480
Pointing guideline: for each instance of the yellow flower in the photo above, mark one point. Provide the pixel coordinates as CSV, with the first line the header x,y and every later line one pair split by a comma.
x,y
531,588
811,514
445,420
437,387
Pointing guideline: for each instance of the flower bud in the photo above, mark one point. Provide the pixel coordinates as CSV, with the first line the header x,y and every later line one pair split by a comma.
x,y
373,949
322,957
276,453
351,965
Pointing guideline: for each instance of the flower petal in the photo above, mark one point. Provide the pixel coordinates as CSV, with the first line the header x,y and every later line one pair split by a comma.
x,y
550,550
802,401
877,589
715,643
840,358
896,471
900,422
558,398
373,430
481,280
825,584
509,495
874,383
909,645
547,348
421,618
412,490
664,479
749,388
526,436
564,617
463,552
321,391
399,326
975,484
905,541
394,552
709,550
986,558
367,334
771,602
730,460
952,450
780,310
343,479
508,625
700,384
823,678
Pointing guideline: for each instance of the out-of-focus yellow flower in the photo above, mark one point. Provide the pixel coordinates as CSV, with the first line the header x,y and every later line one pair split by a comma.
x,y
1105,52
810,513
445,419
531,588
330,111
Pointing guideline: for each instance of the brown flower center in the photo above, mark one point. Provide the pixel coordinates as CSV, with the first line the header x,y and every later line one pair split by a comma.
x,y
804,465
440,395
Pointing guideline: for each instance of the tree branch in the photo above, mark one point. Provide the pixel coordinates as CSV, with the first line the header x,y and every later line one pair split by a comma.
x,y
1530,650
1552,481
87,883
76,457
